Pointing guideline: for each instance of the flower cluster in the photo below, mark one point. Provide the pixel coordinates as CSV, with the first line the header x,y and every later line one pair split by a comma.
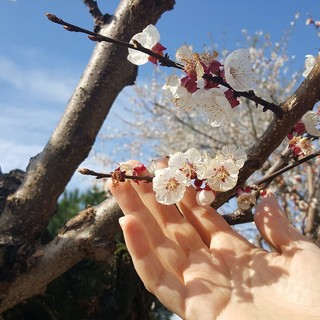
x,y
190,168
207,84
207,175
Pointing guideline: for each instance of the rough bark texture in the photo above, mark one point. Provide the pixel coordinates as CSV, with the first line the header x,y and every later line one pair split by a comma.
x,y
26,212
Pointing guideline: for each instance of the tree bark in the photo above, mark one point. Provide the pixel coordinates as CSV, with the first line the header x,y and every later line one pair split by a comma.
x,y
27,211
302,100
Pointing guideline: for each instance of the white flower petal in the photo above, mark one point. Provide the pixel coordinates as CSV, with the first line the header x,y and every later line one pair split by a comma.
x,y
178,94
222,175
193,155
246,200
311,121
147,38
184,53
215,105
202,168
136,57
238,70
153,35
238,155
169,185
177,160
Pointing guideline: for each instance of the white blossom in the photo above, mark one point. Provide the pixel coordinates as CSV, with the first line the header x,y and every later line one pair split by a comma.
x,y
203,167
178,94
215,104
169,185
246,200
308,64
238,155
311,121
190,60
186,162
148,38
184,53
238,70
222,175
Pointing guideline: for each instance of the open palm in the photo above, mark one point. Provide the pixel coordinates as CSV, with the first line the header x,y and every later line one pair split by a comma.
x,y
200,268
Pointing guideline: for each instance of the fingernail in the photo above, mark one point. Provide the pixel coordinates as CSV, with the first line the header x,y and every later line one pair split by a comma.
x,y
121,221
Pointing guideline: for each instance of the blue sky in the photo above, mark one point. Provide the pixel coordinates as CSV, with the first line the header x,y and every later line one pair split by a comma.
x,y
40,63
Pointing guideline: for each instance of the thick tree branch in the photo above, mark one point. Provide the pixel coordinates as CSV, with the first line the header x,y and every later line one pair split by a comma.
x,y
108,72
89,235
26,212
303,99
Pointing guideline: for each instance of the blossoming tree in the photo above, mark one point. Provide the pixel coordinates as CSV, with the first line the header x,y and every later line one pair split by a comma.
x,y
181,126
208,85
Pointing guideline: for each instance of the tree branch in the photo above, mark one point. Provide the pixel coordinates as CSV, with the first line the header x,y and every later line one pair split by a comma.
x,y
90,234
26,212
107,73
303,99
165,61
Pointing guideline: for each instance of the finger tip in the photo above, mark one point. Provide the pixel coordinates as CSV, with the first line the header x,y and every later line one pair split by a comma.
x,y
162,163
268,208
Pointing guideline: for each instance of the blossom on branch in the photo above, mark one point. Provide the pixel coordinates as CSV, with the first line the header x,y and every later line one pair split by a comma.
x,y
149,38
238,155
169,185
311,121
178,94
187,162
300,146
238,70
191,61
246,199
222,175
215,104
185,169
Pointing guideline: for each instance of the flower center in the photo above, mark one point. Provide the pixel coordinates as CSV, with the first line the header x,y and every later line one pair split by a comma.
x,y
189,170
222,174
172,184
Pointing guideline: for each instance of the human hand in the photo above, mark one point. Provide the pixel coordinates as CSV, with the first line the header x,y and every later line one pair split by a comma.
x,y
200,268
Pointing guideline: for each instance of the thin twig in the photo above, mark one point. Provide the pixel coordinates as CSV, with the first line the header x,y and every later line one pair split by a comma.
x,y
277,110
166,62
100,175
239,217
287,168
258,183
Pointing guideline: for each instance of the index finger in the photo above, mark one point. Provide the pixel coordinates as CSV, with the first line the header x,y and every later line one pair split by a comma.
x,y
211,226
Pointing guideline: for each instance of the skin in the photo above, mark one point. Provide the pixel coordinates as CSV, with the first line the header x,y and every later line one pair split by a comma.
x,y
200,268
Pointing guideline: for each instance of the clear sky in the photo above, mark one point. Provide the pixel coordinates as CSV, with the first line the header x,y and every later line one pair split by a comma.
x,y
40,63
